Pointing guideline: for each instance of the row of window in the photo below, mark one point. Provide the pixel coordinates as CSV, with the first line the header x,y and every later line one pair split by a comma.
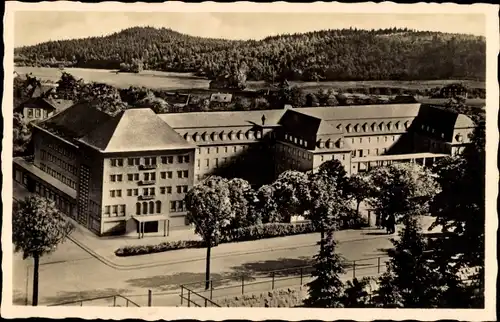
x,y
222,149
59,149
114,211
149,176
428,129
177,206
378,139
148,207
148,191
38,112
46,156
119,162
214,136
389,126
339,157
59,176
294,152
215,162
61,203
366,152
296,140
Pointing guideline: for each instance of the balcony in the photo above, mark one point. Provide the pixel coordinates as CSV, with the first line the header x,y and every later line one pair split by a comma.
x,y
147,166
144,197
146,182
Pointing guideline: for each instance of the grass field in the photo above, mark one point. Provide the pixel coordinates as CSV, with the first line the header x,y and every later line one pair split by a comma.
x,y
187,81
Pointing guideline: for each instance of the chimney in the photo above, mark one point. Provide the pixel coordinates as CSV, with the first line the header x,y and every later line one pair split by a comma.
x,y
263,119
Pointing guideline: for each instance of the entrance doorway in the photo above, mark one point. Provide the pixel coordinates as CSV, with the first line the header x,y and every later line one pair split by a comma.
x,y
149,227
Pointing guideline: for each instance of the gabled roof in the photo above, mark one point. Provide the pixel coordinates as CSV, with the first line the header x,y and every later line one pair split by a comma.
x,y
305,125
137,129
75,121
37,102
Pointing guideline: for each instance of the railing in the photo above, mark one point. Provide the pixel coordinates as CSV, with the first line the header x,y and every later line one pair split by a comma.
x,y
111,300
147,166
146,182
275,279
148,197
191,296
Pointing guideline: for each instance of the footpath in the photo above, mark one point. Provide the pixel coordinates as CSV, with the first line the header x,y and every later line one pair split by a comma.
x,y
103,249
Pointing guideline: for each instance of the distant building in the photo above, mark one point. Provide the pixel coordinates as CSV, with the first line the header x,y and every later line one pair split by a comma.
x,y
38,108
453,90
405,99
221,98
129,173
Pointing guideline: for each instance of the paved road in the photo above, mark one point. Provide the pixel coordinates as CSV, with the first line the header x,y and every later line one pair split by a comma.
x,y
70,273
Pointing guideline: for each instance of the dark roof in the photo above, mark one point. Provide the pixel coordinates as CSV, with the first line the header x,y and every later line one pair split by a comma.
x,y
75,121
305,125
42,90
37,102
138,129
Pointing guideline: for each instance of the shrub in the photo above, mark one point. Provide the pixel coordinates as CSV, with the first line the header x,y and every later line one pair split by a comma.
x,y
249,233
290,297
158,248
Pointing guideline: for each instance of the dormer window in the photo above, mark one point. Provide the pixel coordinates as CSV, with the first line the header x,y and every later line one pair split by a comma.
x,y
328,144
348,128
459,137
196,137
204,136
250,135
187,137
374,127
240,135
340,143
258,134
356,128
231,135
365,127
339,127
397,125
389,126
223,136
407,125
381,126
321,144
214,136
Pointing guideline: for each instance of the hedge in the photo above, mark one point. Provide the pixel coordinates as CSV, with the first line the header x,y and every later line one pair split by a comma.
x,y
279,298
241,234
256,232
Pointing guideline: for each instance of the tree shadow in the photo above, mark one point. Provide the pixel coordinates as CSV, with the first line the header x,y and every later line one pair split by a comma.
x,y
378,233
281,267
64,297
190,280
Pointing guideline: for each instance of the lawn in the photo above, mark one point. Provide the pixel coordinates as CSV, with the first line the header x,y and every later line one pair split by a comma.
x,y
197,85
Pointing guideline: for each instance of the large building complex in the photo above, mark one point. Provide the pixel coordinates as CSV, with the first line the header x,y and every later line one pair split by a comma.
x,y
130,173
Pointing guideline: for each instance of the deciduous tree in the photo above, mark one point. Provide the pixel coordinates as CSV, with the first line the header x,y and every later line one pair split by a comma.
x,y
209,209
38,227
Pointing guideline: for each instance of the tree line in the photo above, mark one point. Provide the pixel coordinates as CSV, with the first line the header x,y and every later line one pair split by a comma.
x,y
346,54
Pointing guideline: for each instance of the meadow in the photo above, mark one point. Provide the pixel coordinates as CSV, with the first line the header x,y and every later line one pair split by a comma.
x,y
187,81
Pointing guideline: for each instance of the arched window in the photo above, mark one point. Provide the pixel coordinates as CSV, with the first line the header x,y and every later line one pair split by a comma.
x,y
138,208
151,207
144,208
158,207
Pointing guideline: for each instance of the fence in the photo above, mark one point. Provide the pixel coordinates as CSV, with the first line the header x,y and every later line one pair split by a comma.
x,y
110,300
270,280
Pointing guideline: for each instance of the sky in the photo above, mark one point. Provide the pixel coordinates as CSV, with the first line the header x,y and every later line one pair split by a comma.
x,y
35,27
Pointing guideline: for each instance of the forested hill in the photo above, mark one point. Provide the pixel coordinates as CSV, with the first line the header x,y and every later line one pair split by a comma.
x,y
348,54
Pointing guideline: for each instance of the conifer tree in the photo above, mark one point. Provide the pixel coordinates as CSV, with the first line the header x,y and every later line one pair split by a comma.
x,y
410,281
326,290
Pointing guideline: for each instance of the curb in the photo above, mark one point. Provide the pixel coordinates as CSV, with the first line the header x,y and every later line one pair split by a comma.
x,y
116,266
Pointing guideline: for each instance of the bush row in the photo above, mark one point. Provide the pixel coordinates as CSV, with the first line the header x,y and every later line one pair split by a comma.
x,y
158,248
256,232
267,231
279,298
